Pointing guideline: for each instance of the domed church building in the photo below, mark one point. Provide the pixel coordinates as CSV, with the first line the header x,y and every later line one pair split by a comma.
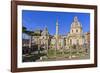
x,y
75,36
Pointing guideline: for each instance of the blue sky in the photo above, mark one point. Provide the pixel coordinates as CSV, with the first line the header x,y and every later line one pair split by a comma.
x,y
33,20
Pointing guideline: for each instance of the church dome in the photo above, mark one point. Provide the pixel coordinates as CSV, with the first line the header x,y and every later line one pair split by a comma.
x,y
76,23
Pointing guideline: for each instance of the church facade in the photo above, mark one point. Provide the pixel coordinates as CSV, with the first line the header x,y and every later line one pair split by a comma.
x,y
76,35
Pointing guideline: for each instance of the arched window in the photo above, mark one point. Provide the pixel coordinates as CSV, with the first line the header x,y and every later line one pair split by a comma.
x,y
76,30
70,41
72,31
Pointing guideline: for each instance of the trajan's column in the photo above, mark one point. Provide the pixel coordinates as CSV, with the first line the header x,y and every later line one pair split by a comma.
x,y
57,35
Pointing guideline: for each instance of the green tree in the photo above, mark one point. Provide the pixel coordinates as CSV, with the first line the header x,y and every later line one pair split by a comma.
x,y
24,29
